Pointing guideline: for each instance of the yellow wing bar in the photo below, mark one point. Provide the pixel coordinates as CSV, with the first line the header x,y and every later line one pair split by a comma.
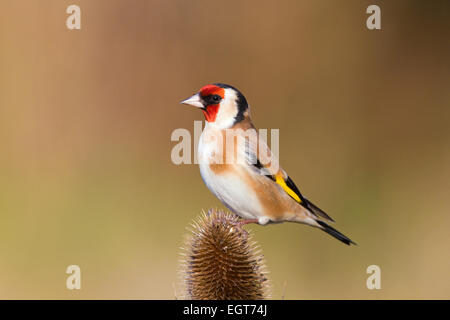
x,y
279,179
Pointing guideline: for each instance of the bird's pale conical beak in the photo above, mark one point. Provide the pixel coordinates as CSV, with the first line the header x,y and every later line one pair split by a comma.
x,y
194,101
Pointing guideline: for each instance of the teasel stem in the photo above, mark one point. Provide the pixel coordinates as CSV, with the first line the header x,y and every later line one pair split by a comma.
x,y
221,261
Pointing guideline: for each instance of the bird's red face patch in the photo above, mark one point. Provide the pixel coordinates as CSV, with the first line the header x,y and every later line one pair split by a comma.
x,y
210,112
212,89
212,95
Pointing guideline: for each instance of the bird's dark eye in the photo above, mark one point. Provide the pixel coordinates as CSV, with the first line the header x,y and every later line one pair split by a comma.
x,y
212,99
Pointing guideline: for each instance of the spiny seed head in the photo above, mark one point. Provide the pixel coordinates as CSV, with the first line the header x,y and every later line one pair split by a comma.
x,y
221,262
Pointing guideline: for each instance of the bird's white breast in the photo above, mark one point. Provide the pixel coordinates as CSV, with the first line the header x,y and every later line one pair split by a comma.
x,y
229,186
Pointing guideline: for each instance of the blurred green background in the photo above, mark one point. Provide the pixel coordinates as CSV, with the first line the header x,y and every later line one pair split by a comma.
x,y
86,118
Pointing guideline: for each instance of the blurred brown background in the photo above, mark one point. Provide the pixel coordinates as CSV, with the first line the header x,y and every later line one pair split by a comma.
x,y
86,118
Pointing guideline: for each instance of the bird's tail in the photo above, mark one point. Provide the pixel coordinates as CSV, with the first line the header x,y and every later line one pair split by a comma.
x,y
332,231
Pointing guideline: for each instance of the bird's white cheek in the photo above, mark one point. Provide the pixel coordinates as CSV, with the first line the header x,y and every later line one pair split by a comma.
x,y
225,116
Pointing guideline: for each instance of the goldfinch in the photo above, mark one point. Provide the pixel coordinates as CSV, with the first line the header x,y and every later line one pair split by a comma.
x,y
245,176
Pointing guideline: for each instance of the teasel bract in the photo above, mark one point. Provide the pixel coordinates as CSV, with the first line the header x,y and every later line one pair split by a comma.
x,y
221,261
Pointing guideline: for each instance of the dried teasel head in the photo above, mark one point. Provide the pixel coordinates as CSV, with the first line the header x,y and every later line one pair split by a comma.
x,y
221,261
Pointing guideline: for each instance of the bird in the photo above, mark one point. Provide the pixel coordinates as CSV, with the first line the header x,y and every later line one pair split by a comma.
x,y
239,168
